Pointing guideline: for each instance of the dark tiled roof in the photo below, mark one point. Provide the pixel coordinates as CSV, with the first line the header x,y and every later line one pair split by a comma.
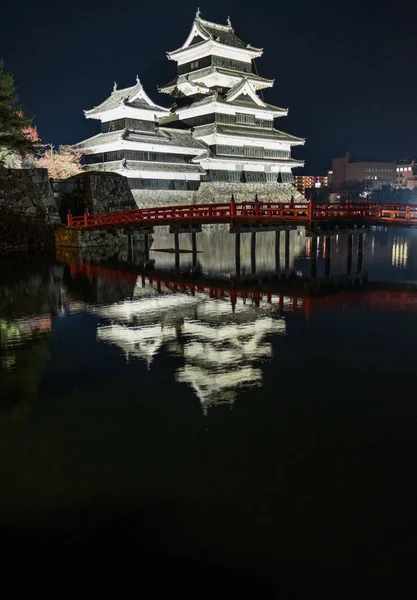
x,y
221,33
163,135
224,36
243,75
196,76
180,137
123,96
248,132
263,159
101,138
135,165
207,100
163,166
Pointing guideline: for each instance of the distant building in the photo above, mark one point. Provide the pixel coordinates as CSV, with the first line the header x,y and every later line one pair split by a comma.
x,y
406,176
373,173
304,182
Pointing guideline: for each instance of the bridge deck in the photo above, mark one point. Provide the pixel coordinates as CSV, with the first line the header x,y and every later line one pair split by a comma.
x,y
251,212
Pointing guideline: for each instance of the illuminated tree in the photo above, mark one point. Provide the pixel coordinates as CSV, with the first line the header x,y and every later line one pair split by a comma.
x,y
17,136
64,163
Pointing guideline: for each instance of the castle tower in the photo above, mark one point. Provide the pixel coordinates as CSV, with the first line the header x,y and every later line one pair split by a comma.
x,y
156,160
217,95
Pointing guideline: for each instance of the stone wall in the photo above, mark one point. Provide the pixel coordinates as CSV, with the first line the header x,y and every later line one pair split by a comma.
x,y
28,192
246,192
149,198
94,191
87,238
209,192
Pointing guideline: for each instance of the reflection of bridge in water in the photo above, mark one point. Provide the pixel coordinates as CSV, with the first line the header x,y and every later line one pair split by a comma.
x,y
220,325
294,297
300,295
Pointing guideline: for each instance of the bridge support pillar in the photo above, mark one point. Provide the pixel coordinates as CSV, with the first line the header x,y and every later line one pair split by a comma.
x,y
278,251
237,255
146,246
194,248
360,252
349,254
253,252
287,249
313,258
327,256
177,250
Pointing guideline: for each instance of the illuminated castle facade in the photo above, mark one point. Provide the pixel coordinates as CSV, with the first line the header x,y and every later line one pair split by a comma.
x,y
217,139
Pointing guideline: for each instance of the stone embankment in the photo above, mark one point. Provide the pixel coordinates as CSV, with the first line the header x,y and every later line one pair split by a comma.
x,y
217,192
87,238
28,192
96,192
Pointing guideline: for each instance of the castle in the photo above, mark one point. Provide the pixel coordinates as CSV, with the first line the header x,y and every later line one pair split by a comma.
x,y
218,138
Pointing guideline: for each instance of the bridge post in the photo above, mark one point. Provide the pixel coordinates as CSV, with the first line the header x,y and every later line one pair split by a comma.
x,y
233,299
360,252
313,258
146,244
69,218
278,251
310,210
177,250
237,254
194,247
85,222
349,254
232,208
327,255
257,210
408,212
287,250
253,252
129,245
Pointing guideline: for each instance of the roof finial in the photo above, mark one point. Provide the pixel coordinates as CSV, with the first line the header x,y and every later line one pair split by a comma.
x,y
229,22
198,13
114,86
137,79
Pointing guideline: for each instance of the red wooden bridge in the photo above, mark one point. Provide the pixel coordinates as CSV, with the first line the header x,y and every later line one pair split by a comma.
x,y
251,212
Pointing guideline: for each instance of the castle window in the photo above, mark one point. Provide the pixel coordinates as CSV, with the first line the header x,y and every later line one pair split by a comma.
x,y
245,119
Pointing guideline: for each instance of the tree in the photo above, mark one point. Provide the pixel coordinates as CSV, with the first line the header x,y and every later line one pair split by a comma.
x,y
352,189
386,194
62,164
16,133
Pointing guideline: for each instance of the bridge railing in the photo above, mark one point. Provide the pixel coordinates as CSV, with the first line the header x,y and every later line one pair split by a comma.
x,y
291,211
365,210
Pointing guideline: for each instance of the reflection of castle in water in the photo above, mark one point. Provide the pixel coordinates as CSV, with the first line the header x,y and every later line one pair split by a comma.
x,y
222,350
215,317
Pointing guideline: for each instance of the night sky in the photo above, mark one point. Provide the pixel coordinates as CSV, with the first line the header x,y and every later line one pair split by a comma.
x,y
346,70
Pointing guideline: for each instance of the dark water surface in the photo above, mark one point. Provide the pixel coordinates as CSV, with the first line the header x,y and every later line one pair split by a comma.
x,y
221,433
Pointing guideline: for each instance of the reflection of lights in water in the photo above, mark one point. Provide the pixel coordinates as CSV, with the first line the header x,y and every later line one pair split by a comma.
x,y
219,359
14,334
373,247
308,247
137,342
219,347
399,253
144,308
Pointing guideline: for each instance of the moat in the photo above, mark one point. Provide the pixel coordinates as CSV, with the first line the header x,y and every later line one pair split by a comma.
x,y
252,415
